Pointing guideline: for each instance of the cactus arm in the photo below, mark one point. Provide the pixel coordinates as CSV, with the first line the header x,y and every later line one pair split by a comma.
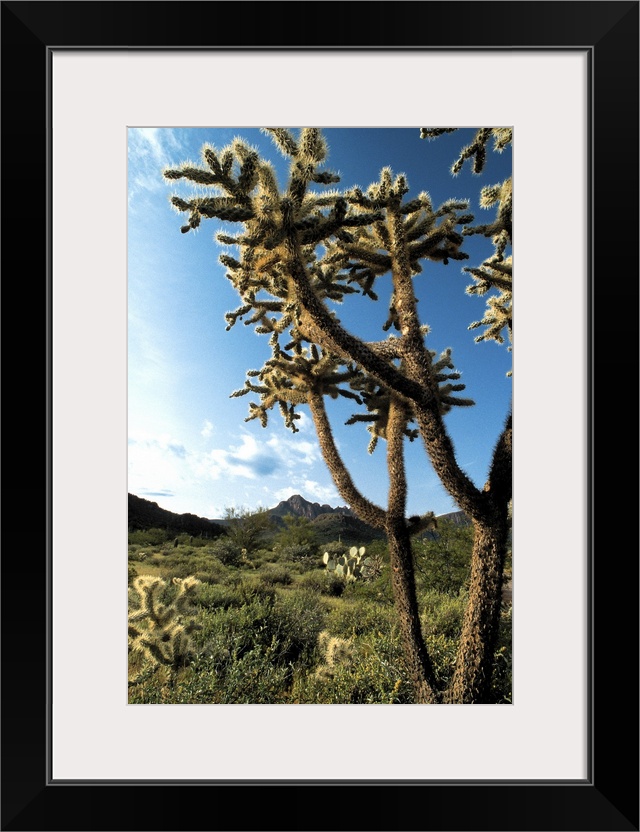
x,y
500,475
396,426
362,507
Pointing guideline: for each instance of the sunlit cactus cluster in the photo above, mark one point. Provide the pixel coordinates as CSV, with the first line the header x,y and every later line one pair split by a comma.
x,y
353,564
161,632
496,272
336,652
284,281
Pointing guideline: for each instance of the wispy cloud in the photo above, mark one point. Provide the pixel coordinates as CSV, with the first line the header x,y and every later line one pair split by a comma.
x,y
293,451
165,493
161,443
245,471
252,458
249,460
149,150
310,490
207,429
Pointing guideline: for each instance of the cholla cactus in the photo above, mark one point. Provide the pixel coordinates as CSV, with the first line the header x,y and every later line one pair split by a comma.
x,y
162,632
336,652
298,251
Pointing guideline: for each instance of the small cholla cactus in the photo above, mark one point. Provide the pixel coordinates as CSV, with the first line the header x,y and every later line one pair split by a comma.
x,y
162,632
336,651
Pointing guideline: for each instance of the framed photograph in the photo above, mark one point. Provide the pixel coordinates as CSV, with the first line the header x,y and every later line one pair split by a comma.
x,y
99,98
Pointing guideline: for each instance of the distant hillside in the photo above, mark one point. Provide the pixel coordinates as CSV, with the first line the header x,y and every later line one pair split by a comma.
x,y
330,523
459,518
339,523
346,528
143,514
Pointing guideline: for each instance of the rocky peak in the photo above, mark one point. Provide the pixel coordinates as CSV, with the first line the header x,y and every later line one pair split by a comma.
x,y
299,507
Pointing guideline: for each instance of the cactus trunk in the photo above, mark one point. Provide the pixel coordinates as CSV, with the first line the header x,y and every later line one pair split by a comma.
x,y
474,664
402,578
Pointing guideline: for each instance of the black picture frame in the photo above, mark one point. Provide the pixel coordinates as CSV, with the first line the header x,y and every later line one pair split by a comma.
x,y
608,798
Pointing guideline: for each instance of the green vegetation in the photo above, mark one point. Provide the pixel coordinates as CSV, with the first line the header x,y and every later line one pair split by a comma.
x,y
246,528
207,628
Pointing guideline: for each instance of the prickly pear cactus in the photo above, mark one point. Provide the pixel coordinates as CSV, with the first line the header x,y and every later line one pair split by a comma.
x,y
352,565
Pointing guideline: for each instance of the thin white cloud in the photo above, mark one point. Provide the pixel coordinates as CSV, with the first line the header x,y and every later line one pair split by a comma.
x,y
304,423
322,493
252,459
207,429
149,150
163,464
163,443
310,490
249,460
294,451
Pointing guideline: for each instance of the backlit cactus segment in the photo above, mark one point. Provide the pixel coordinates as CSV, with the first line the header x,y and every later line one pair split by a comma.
x,y
162,632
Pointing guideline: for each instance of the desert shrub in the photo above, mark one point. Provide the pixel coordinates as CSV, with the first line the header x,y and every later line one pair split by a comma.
x,y
359,618
148,537
186,539
248,529
378,548
334,547
257,678
132,573
301,616
442,650
137,554
218,596
293,620
502,679
379,590
374,672
323,581
253,679
261,556
442,614
159,688
196,542
232,628
210,570
226,550
297,551
179,570
275,573
366,670
443,558
178,563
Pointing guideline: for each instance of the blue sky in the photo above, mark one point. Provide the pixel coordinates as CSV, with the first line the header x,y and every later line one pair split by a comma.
x,y
190,449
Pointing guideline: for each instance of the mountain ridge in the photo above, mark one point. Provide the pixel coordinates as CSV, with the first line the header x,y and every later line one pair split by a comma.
x,y
299,506
331,521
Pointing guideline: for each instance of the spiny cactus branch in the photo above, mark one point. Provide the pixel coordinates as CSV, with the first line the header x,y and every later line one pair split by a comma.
x,y
365,510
